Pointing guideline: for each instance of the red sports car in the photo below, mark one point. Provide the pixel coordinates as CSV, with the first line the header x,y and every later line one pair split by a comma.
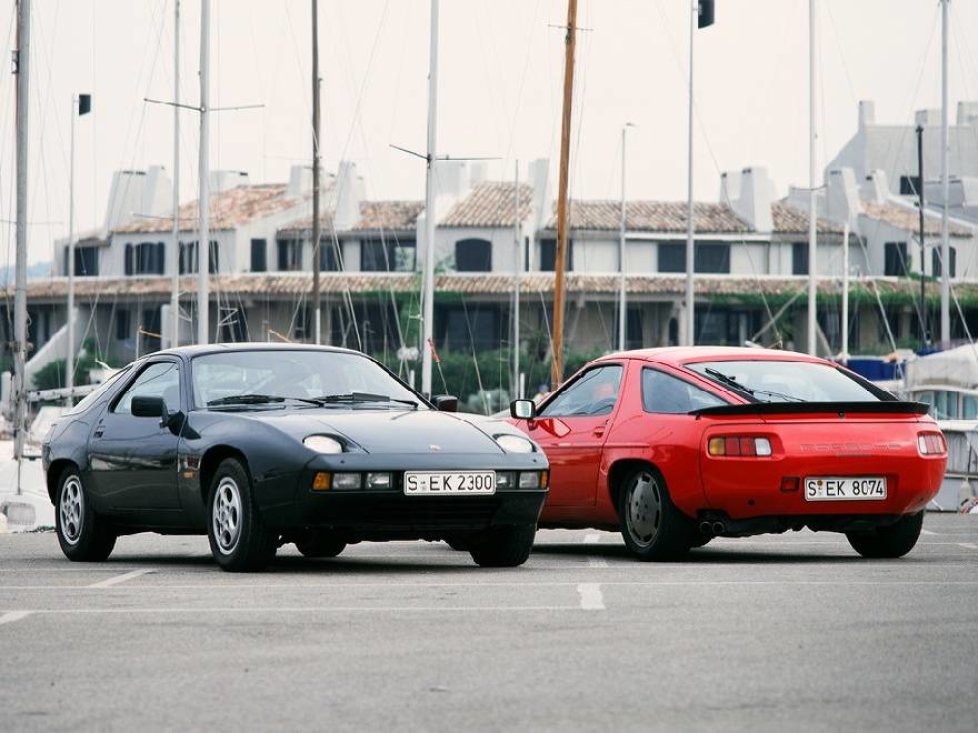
x,y
676,446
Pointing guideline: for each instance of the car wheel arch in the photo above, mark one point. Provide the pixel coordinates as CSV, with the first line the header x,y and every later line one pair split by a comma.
x,y
211,460
620,470
54,474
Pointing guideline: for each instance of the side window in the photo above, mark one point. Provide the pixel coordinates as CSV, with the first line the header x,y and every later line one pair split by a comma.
x,y
594,393
161,379
664,393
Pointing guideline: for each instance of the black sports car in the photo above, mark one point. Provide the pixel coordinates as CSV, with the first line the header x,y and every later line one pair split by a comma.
x,y
259,445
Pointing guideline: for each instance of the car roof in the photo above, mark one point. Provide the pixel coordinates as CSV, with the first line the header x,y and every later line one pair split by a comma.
x,y
680,355
197,350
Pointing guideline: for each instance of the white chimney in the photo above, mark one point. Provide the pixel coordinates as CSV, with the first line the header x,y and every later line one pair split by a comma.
x,y
867,113
349,193
138,193
843,196
226,180
754,198
927,117
968,113
875,188
539,177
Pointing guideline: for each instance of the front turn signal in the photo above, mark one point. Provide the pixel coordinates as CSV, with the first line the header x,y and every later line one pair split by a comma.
x,y
321,482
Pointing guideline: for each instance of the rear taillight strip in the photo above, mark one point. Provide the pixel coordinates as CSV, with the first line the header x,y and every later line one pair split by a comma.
x,y
931,444
737,446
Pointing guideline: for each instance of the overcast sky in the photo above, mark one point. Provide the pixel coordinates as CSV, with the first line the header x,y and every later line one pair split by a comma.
x,y
501,66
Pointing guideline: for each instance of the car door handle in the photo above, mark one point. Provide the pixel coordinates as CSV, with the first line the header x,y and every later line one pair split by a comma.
x,y
598,431
98,433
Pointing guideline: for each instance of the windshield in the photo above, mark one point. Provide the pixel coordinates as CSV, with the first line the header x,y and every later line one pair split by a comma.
x,y
785,381
317,377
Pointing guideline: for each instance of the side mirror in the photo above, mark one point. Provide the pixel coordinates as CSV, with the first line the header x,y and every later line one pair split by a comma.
x,y
148,407
523,409
445,403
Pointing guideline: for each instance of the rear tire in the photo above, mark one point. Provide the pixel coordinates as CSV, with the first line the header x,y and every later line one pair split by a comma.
x,y
699,541
892,541
320,544
239,540
503,547
83,535
459,542
651,525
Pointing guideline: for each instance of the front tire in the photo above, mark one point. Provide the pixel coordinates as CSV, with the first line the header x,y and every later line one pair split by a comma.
x,y
503,547
892,541
651,525
239,540
83,535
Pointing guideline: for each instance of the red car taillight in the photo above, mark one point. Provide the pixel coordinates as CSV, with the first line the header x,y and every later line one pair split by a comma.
x,y
931,444
737,445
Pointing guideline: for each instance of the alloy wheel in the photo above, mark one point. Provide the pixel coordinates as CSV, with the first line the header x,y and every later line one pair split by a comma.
x,y
226,515
72,510
644,509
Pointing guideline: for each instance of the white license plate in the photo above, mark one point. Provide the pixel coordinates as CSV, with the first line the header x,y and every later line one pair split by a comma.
x,y
443,483
845,488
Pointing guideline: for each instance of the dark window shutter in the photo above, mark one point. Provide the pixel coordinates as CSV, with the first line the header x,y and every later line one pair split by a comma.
x,y
258,255
214,266
129,259
473,255
160,257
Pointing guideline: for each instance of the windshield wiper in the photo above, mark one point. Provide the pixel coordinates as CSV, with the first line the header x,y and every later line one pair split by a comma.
x,y
354,397
729,381
786,397
245,399
256,399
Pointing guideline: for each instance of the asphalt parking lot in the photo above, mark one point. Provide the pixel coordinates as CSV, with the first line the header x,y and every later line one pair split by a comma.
x,y
768,633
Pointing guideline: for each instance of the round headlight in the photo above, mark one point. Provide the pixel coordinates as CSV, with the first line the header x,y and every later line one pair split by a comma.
x,y
514,444
323,444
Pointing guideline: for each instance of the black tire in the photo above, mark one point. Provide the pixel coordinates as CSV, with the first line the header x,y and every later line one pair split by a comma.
x,y
239,540
459,542
699,541
651,525
894,540
503,547
83,535
320,544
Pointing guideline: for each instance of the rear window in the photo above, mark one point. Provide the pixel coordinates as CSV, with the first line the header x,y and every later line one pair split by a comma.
x,y
785,381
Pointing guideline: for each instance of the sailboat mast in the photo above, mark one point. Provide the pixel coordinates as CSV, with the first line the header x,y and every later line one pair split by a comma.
x,y
203,207
175,252
22,69
945,190
557,365
517,272
812,244
428,285
316,228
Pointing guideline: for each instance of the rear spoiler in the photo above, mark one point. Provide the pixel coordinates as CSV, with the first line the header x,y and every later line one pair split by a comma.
x,y
888,407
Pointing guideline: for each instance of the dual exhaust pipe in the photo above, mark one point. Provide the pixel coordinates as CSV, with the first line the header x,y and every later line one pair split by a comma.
x,y
713,528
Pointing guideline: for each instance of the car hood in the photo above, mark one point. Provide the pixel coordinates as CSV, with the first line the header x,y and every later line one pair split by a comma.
x,y
383,431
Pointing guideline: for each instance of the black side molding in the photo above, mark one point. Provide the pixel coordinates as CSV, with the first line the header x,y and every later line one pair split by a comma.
x,y
889,407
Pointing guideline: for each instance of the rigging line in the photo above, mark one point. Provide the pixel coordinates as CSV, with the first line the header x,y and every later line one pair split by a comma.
x,y
519,91
395,102
488,49
842,56
356,124
475,360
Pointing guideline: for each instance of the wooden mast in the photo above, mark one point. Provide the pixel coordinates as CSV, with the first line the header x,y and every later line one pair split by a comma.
x,y
557,365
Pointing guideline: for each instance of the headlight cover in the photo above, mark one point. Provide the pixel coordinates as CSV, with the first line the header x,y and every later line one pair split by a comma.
x,y
323,444
514,443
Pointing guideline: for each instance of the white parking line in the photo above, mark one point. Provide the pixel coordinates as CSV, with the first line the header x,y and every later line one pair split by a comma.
x,y
591,597
968,546
927,531
291,609
11,616
597,562
115,580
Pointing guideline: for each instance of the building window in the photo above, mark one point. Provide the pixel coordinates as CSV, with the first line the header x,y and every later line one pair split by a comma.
x,y
150,330
799,258
548,255
909,185
936,268
123,325
895,259
190,263
233,325
707,258
712,258
672,257
259,255
387,255
476,328
329,260
633,329
290,255
473,255
86,261
146,258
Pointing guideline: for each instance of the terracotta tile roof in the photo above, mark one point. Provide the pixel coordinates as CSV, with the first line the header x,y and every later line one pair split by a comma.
x,y
905,217
374,216
789,219
228,210
291,285
389,215
653,216
489,204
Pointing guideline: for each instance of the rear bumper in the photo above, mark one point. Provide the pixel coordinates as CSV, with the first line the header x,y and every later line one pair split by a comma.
x,y
746,527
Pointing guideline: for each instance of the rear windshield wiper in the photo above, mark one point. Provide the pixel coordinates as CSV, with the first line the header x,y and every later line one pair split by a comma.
x,y
786,397
354,397
729,381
